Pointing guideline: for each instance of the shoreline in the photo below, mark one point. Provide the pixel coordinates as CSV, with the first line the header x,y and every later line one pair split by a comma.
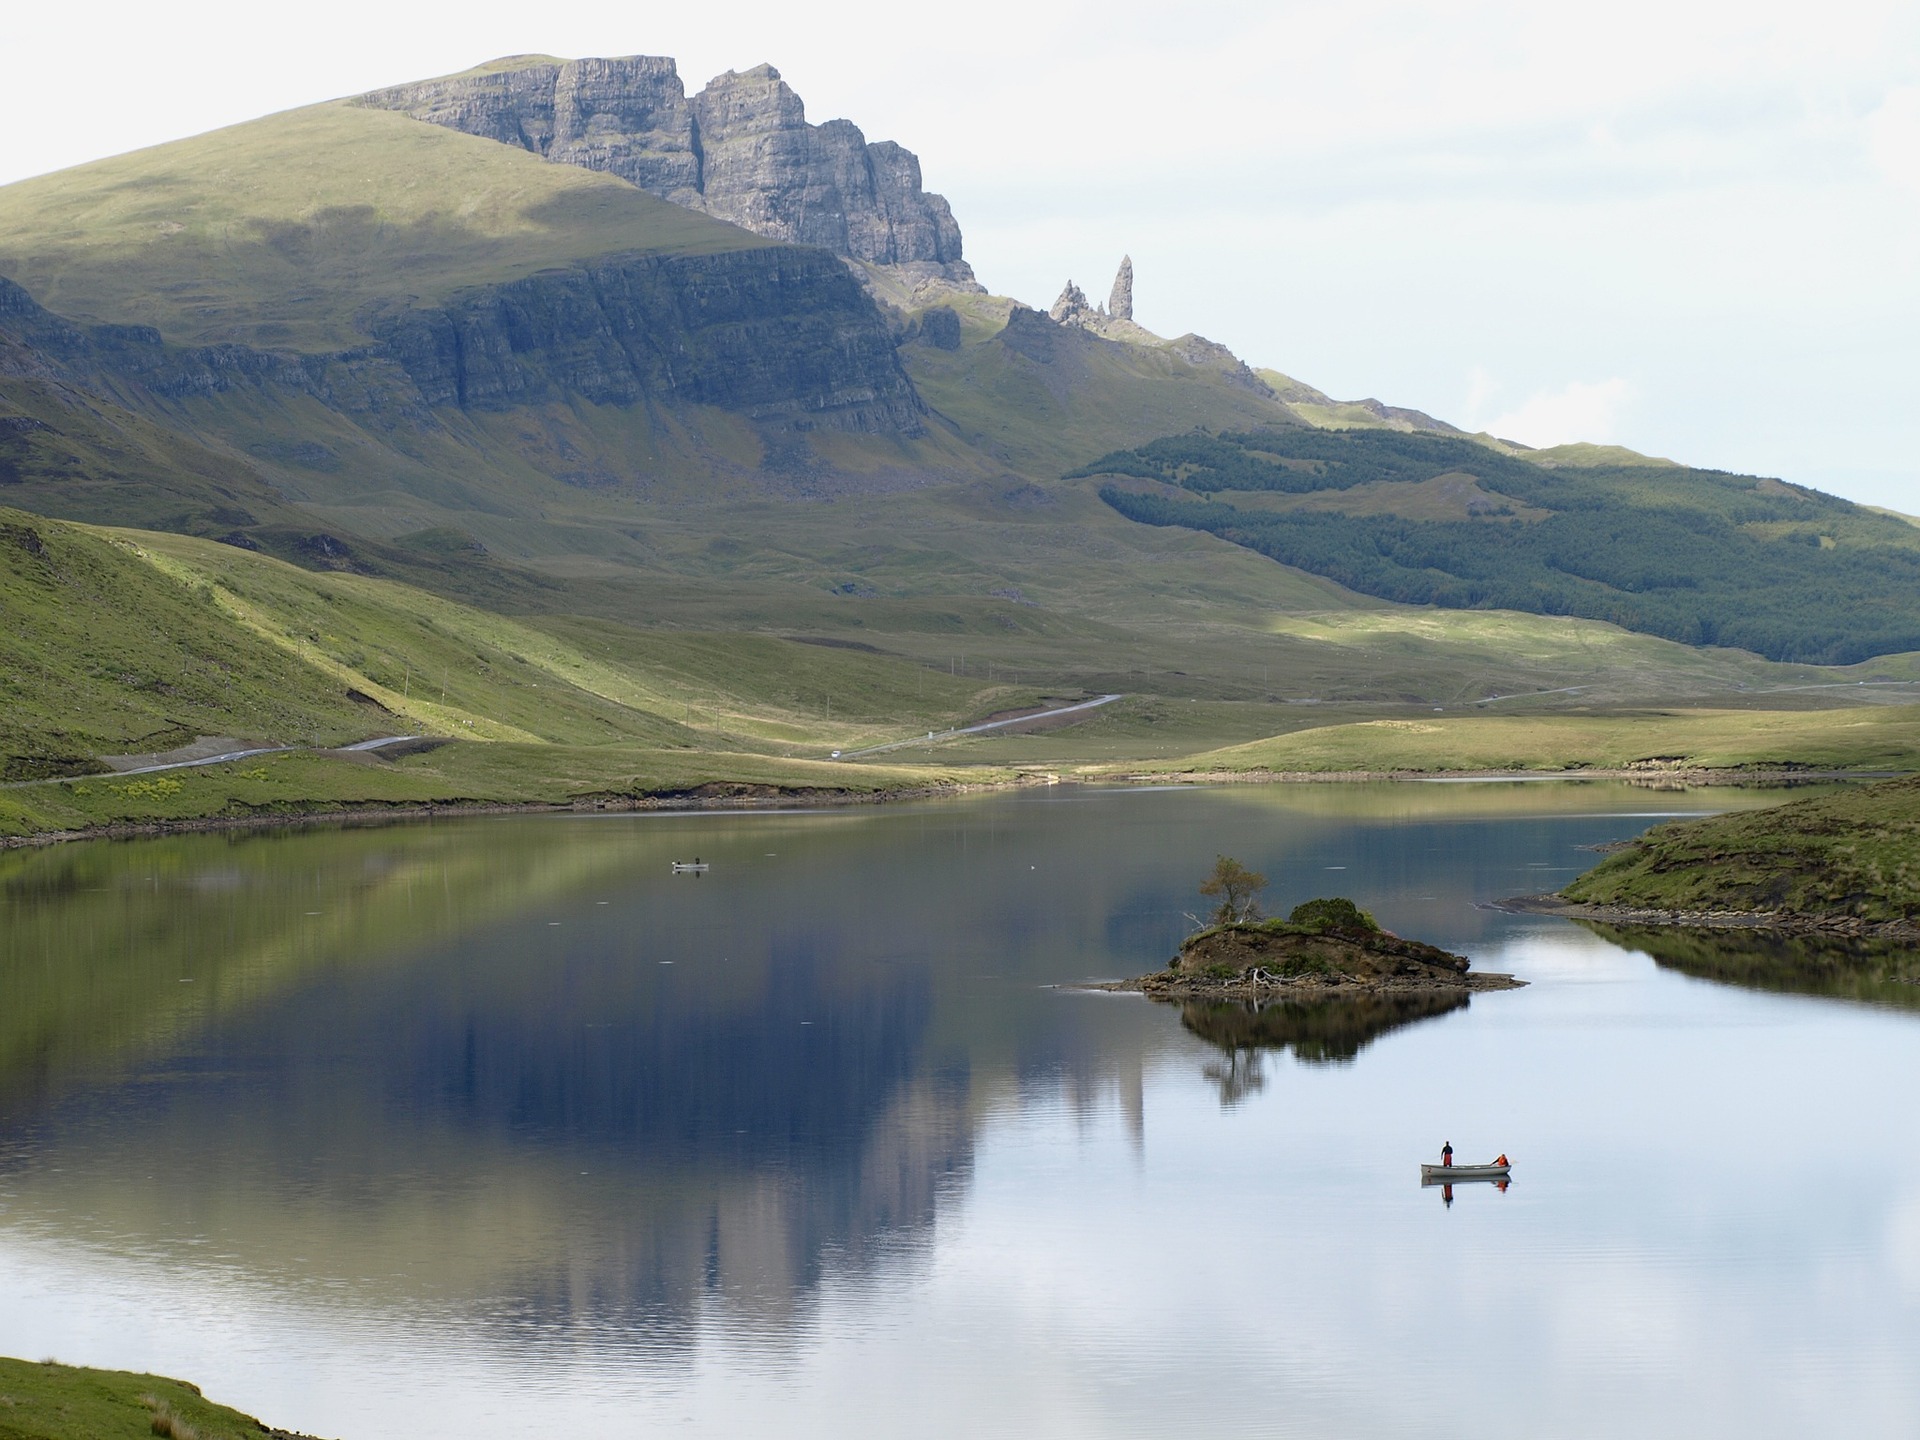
x,y
1280,988
1655,779
1778,922
720,797
748,796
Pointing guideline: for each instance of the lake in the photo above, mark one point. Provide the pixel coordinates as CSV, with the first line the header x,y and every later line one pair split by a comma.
x,y
427,1130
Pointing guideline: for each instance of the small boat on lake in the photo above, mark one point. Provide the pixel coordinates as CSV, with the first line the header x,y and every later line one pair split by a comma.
x,y
1454,1174
695,866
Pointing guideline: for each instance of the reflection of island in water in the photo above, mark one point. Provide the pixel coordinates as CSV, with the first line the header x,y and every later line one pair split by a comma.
x,y
1329,1031
1875,972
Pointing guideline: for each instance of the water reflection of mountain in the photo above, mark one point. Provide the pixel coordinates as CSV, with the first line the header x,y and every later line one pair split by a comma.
x,y
1319,1032
515,1073
1878,972
513,1069
573,1140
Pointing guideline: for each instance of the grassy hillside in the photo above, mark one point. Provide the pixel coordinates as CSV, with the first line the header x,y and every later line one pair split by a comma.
x,y
47,1401
66,452
1656,742
1696,556
99,654
1039,397
277,232
126,641
1852,854
123,642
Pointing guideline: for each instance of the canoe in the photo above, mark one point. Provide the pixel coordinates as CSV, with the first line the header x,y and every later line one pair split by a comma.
x,y
686,867
1448,1174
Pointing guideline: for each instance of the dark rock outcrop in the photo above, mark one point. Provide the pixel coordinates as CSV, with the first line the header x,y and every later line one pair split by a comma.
x,y
740,150
784,335
720,330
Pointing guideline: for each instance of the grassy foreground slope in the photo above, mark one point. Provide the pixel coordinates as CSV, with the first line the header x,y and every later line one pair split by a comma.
x,y
1855,854
101,655
126,642
48,1401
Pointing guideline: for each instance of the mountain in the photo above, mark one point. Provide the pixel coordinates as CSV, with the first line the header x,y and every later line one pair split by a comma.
x,y
557,343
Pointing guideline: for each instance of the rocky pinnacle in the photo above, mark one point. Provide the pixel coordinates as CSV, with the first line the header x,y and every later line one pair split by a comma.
x,y
1120,302
1071,308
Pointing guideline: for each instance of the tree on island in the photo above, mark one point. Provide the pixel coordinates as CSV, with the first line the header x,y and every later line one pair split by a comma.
x,y
1237,889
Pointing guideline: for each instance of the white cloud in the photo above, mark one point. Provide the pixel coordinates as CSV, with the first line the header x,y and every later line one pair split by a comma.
x,y
1481,388
1582,410
1893,137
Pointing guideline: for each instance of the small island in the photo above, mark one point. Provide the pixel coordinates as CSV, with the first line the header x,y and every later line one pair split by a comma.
x,y
1323,948
1326,948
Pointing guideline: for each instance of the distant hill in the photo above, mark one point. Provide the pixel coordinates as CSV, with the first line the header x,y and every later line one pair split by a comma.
x,y
1697,556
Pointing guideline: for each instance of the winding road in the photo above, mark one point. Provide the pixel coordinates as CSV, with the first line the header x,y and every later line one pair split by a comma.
x,y
935,737
377,743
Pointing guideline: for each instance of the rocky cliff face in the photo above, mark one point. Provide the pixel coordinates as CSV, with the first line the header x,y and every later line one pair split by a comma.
x,y
784,336
704,330
740,150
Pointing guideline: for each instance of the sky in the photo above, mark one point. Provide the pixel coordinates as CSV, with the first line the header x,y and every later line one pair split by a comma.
x,y
1690,228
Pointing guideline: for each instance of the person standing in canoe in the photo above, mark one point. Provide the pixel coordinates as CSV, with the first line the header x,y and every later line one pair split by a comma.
x,y
1446,1155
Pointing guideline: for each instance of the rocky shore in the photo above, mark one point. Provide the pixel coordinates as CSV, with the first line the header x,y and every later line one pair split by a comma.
x,y
1779,922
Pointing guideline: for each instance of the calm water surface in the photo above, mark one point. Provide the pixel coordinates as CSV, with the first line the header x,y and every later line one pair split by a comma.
x,y
426,1130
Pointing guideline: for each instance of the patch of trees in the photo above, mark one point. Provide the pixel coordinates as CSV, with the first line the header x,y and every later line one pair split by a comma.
x,y
1679,571
1301,461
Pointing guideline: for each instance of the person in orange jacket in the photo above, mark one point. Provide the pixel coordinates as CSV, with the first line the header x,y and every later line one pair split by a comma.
x,y
1446,1155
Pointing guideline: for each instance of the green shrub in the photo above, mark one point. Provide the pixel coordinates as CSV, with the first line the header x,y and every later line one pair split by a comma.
x,y
1331,913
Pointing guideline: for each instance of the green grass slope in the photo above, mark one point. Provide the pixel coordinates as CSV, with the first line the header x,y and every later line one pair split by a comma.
x,y
1039,397
277,232
443,667
1651,742
1855,854
47,1401
99,654
121,642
